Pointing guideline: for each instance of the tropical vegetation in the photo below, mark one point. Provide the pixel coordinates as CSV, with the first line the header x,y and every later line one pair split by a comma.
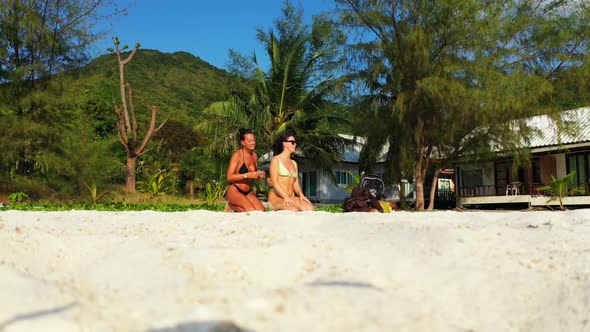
x,y
296,94
559,188
431,81
432,74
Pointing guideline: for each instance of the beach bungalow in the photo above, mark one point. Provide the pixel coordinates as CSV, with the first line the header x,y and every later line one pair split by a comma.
x,y
554,153
329,187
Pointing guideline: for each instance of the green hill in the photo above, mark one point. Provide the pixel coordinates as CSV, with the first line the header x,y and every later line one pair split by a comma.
x,y
180,84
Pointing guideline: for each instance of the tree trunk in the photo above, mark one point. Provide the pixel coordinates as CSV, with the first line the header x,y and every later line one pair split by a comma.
x,y
130,172
419,182
402,194
433,188
191,190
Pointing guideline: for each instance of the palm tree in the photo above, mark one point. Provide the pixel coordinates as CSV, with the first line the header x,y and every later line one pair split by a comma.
x,y
292,95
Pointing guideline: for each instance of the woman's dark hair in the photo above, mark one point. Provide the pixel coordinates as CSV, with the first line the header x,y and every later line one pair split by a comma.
x,y
243,133
277,147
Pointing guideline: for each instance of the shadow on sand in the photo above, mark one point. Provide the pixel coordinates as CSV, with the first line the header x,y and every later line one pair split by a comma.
x,y
206,326
343,283
36,314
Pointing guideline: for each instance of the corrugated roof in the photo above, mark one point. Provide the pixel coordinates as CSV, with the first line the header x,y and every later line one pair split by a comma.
x,y
546,132
576,123
350,154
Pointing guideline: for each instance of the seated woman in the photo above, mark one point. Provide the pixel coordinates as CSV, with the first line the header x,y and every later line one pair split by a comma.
x,y
241,171
286,192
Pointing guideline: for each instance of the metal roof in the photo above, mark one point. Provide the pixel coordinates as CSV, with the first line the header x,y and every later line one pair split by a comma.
x,y
350,154
574,128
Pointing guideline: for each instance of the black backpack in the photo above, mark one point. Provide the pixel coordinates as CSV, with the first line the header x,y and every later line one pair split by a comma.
x,y
374,185
361,200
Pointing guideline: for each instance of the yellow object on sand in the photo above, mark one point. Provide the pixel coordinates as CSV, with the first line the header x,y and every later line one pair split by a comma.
x,y
386,206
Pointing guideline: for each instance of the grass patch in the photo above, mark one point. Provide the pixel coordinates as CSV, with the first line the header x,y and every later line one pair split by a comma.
x,y
333,208
118,206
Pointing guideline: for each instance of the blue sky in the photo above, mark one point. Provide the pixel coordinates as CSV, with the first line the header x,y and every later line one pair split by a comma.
x,y
205,28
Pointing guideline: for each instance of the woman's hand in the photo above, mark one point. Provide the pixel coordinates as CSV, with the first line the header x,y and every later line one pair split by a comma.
x,y
261,174
302,198
289,201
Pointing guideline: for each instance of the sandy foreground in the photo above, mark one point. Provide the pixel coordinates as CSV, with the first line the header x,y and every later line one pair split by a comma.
x,y
284,271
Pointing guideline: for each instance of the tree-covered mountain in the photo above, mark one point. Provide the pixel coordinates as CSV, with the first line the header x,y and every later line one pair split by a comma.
x,y
179,83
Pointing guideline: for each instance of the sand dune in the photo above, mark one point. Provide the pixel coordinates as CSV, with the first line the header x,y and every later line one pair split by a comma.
x,y
284,271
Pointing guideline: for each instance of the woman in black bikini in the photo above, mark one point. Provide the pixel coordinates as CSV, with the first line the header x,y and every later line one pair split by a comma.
x,y
241,171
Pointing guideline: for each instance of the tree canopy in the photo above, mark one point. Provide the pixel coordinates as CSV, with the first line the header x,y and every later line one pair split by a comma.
x,y
292,95
435,71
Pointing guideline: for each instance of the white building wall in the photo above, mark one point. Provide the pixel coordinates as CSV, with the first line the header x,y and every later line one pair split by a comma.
x,y
327,190
561,169
331,192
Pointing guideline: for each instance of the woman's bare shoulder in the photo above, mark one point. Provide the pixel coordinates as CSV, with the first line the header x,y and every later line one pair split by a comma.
x,y
235,155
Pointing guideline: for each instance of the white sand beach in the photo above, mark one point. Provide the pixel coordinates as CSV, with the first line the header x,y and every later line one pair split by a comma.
x,y
285,271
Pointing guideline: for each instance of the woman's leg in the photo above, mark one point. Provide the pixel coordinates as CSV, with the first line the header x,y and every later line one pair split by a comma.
x,y
277,203
256,203
238,201
302,205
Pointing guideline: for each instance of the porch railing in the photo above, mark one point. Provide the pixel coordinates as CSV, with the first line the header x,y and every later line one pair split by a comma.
x,y
493,190
478,191
445,195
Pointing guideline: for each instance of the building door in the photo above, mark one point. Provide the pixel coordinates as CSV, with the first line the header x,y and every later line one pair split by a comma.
x,y
502,176
579,163
548,169
310,184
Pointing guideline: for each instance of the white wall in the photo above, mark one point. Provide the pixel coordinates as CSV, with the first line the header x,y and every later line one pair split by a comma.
x,y
330,192
561,169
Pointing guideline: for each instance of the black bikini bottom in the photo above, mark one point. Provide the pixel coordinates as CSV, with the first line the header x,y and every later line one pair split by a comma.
x,y
245,193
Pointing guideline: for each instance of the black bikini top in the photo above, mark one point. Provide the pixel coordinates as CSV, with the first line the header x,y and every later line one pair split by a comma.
x,y
244,169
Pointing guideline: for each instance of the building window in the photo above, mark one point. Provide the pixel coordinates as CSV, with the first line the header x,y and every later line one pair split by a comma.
x,y
472,178
345,177
444,184
310,184
579,162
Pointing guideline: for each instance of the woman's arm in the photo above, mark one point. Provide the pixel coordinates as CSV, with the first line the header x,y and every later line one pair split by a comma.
x,y
232,175
233,163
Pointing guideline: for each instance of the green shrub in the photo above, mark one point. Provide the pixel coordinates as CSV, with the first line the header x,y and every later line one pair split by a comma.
x,y
95,196
561,188
158,183
17,197
213,191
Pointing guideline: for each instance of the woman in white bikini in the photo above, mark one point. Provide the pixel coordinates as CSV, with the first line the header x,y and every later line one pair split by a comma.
x,y
284,177
242,170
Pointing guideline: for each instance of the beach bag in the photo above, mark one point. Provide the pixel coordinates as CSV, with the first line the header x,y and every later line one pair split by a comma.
x,y
361,200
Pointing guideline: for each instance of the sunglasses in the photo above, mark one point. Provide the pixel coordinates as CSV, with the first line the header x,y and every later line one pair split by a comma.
x,y
292,142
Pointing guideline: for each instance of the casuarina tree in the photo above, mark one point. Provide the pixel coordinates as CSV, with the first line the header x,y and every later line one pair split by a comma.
x,y
436,71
